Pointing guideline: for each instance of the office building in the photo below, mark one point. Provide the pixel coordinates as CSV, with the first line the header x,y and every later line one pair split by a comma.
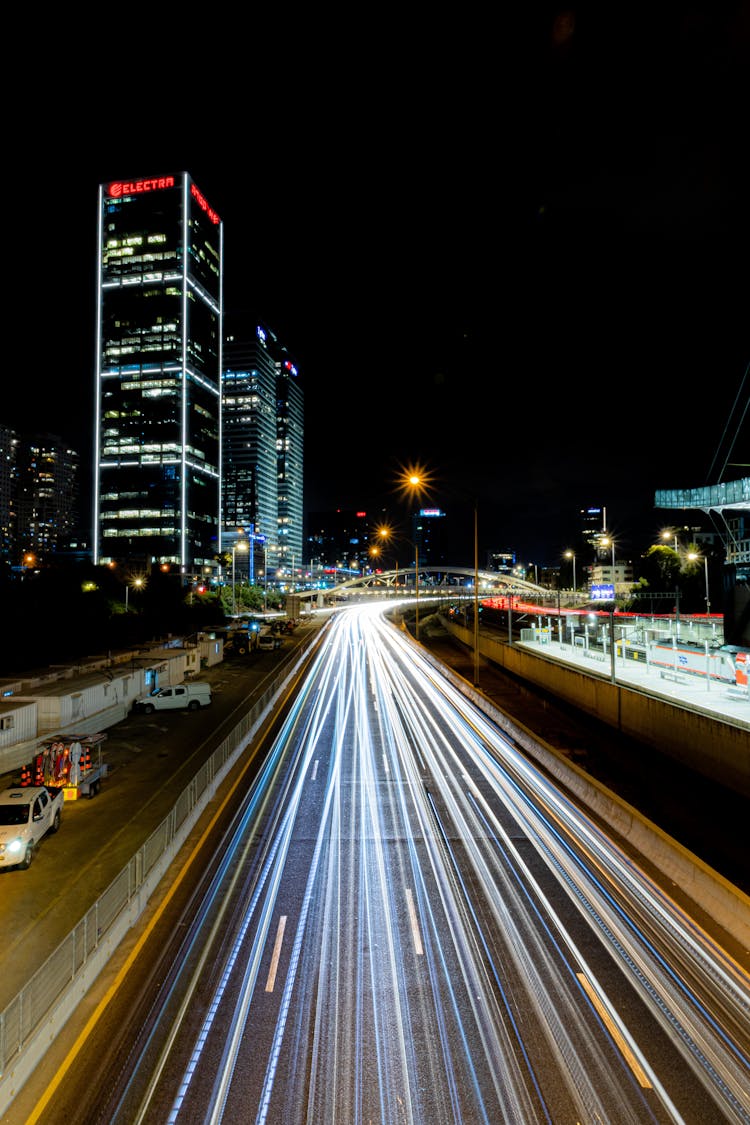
x,y
502,562
592,525
45,494
263,441
159,339
431,536
8,443
249,486
290,436
338,544
39,498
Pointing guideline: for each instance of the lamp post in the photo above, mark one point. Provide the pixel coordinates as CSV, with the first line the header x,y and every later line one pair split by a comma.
x,y
241,546
416,591
670,535
476,595
608,541
413,482
136,583
572,555
265,578
693,556
375,551
386,533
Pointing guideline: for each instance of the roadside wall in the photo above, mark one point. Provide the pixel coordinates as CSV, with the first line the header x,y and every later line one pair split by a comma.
x,y
718,898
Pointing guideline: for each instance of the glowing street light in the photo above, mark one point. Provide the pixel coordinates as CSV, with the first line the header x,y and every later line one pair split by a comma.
x,y
608,541
413,483
572,555
265,576
136,583
375,552
241,546
694,557
667,535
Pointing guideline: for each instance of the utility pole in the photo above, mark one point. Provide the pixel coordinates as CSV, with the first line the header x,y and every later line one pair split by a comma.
x,y
476,598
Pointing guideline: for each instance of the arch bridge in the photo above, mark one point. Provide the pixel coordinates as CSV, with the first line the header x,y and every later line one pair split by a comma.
x,y
433,581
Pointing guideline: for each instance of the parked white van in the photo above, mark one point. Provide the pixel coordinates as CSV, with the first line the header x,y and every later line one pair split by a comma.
x,y
182,696
268,641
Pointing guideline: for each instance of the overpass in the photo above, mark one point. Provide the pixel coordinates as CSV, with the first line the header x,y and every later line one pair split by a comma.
x,y
714,500
434,581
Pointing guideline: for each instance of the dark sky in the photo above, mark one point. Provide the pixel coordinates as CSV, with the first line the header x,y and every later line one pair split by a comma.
x,y
512,249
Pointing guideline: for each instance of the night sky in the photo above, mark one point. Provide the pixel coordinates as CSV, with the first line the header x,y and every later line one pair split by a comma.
x,y
512,249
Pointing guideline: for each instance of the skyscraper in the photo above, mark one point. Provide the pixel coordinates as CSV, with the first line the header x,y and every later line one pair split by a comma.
x,y
262,479
158,376
249,487
290,432
45,494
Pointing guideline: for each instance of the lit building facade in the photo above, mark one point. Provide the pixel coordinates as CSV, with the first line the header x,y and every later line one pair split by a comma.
x,y
159,332
45,494
8,442
263,463
250,507
290,437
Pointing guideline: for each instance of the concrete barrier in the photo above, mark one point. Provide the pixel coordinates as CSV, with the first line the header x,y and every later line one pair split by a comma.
x,y
723,903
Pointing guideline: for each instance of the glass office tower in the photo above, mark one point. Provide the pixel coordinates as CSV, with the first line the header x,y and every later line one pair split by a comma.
x,y
290,436
249,475
263,453
158,376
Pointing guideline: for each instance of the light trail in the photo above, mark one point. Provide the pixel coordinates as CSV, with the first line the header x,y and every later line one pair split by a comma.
x,y
465,944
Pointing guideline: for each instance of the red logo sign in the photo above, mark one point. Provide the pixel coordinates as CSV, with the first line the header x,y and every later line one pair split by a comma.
x,y
136,187
203,204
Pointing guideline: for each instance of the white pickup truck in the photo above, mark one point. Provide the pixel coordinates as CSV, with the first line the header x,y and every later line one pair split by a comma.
x,y
190,697
26,814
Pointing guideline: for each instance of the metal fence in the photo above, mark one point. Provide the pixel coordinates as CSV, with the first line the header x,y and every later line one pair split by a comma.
x,y
63,972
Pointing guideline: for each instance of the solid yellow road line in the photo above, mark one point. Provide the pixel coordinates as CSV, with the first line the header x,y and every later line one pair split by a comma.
x,y
276,954
113,988
627,1054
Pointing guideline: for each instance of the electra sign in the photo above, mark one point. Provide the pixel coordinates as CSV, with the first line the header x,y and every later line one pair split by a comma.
x,y
136,187
201,201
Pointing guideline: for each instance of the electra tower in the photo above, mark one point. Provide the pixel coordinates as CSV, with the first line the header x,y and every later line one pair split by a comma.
x,y
157,455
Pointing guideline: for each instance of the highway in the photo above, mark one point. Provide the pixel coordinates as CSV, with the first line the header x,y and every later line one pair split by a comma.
x,y
407,922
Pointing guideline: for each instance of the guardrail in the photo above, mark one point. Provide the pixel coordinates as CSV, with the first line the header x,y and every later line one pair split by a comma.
x,y
35,1016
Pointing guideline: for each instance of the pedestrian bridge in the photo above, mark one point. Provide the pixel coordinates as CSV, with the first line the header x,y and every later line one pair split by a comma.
x,y
434,581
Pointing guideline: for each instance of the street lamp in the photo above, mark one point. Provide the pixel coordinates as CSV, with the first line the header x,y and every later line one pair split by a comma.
x,y
241,546
572,555
693,556
608,541
136,584
670,535
413,483
385,533
416,591
613,672
476,594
